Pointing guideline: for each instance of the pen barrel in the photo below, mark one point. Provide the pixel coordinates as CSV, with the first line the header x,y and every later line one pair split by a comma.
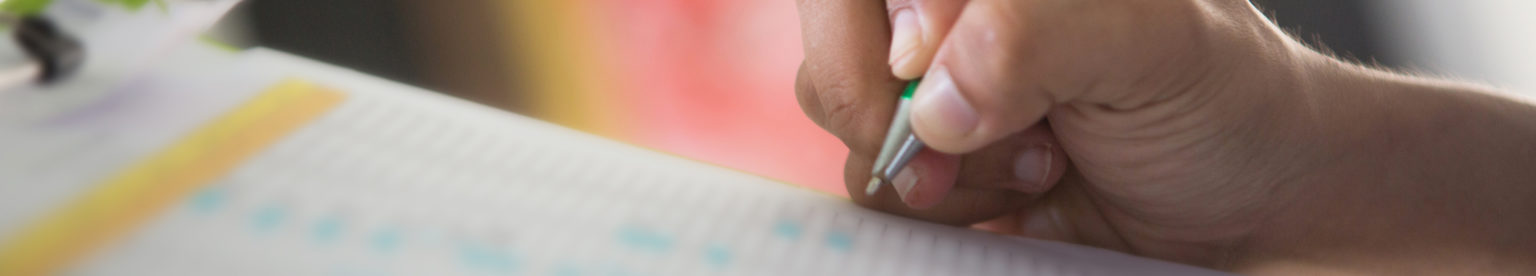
x,y
900,144
898,139
908,150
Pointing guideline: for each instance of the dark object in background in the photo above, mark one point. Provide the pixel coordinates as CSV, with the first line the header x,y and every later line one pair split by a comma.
x,y
58,53
1344,27
452,47
367,35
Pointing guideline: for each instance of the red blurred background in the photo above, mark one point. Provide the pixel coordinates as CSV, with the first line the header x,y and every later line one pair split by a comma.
x,y
704,79
713,80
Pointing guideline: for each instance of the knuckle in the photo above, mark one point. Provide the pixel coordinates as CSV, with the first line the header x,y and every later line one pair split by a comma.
x,y
840,115
845,102
826,100
847,116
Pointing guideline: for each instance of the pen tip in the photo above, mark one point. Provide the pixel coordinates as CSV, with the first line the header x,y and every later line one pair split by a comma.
x,y
873,186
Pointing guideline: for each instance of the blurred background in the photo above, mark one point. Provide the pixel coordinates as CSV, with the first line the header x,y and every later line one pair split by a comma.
x,y
713,80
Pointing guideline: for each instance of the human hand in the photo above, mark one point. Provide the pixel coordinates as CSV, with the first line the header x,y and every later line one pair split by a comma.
x,y
1169,111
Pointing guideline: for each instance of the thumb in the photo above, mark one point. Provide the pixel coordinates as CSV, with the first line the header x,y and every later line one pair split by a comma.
x,y
976,91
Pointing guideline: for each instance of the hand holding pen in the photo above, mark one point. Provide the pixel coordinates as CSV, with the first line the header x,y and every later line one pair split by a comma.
x,y
1188,130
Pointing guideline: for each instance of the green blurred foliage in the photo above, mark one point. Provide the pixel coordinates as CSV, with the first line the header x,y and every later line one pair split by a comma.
x,y
30,7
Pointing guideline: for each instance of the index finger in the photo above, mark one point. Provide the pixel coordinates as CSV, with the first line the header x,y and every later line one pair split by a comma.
x,y
845,85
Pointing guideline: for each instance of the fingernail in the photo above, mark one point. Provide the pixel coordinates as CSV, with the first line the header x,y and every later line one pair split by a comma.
x,y
906,35
1044,222
940,107
904,182
1032,165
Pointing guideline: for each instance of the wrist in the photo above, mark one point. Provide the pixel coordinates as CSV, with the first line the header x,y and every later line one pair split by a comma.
x,y
1404,175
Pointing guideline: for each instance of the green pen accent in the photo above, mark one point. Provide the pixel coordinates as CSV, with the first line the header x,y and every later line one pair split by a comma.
x,y
911,87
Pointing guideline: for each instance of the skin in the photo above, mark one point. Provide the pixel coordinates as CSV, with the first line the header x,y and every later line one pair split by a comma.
x,y
1191,131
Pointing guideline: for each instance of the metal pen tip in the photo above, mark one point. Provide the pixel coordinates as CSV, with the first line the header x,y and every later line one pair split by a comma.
x,y
873,186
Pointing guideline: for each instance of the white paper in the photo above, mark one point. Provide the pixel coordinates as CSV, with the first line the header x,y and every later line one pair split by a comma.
x,y
401,181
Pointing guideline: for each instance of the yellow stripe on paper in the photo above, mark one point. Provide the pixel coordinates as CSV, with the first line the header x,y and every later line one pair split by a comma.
x,y
130,197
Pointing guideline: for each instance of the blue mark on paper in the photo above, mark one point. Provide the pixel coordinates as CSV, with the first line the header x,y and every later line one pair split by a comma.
x,y
207,200
385,240
645,239
327,230
787,229
487,259
268,218
717,256
840,241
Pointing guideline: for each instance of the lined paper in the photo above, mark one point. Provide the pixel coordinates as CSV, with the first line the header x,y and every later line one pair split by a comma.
x,y
400,181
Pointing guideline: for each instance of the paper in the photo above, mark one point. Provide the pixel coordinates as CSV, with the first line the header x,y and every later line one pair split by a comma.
x,y
396,180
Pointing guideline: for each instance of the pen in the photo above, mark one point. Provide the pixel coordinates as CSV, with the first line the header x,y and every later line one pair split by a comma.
x,y
900,144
